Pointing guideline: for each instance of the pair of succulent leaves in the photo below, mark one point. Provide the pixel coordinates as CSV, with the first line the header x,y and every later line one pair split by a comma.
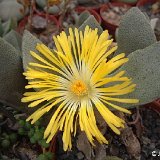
x,y
135,38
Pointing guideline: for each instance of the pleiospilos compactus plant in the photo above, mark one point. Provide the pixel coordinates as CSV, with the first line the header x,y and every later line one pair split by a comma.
x,y
74,79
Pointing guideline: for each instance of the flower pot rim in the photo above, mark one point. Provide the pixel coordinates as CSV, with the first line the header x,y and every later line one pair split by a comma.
x,y
128,3
141,3
24,21
94,7
106,7
155,105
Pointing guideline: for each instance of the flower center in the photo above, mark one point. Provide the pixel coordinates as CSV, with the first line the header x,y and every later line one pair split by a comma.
x,y
79,88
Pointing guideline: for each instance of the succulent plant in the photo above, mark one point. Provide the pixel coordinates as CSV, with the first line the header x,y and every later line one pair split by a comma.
x,y
34,132
134,32
6,140
7,26
45,156
82,17
12,82
15,39
136,38
6,12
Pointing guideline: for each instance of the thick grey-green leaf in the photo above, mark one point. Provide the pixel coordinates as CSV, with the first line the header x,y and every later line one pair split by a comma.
x,y
9,25
14,39
144,68
12,81
29,43
82,17
92,23
134,32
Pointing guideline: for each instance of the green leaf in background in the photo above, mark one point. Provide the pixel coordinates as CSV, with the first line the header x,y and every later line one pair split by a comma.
x,y
82,17
15,39
9,25
92,23
134,32
12,81
144,68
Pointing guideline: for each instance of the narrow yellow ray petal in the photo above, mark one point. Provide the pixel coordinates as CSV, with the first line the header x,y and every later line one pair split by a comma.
x,y
53,68
87,126
107,114
119,56
73,46
40,58
97,61
113,128
47,53
121,100
40,113
115,88
67,130
35,103
110,79
117,107
79,41
49,127
59,49
98,135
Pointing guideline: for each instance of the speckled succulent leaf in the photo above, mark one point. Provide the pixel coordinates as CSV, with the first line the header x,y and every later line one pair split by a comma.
x,y
12,81
134,32
28,44
15,39
82,17
144,68
92,23
147,17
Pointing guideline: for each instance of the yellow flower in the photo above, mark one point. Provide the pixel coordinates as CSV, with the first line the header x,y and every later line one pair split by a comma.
x,y
74,80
